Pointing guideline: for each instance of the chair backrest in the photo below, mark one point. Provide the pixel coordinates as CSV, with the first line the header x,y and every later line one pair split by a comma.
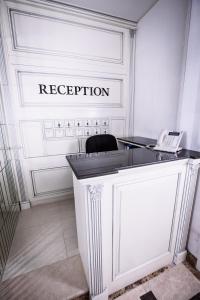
x,y
100,143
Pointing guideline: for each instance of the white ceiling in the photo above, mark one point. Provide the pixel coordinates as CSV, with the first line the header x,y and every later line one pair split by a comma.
x,y
127,9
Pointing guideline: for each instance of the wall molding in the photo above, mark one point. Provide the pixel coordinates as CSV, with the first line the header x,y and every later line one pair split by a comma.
x,y
25,103
22,48
34,184
76,11
40,152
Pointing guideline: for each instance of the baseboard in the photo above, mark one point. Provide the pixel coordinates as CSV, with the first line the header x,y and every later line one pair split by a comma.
x,y
25,205
198,265
102,296
180,257
53,199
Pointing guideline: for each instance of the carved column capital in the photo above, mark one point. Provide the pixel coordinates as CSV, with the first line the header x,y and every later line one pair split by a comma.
x,y
95,192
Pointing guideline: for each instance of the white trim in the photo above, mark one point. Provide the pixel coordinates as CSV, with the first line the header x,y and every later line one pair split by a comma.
x,y
25,205
76,11
23,102
94,217
198,264
180,257
34,185
18,47
102,296
187,204
53,199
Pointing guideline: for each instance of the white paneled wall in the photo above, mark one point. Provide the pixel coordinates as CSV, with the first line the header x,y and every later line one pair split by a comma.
x,y
69,78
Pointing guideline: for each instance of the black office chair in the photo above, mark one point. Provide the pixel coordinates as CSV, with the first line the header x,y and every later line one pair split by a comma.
x,y
101,143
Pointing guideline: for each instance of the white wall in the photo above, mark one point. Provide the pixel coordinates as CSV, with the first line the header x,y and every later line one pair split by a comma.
x,y
159,51
189,113
51,125
167,89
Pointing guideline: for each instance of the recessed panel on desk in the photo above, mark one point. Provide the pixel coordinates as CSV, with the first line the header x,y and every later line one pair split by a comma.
x,y
139,208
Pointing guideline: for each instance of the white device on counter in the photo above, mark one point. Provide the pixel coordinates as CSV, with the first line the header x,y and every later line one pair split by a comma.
x,y
169,141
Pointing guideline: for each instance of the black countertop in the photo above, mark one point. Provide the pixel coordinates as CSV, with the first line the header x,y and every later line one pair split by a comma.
x,y
137,140
105,163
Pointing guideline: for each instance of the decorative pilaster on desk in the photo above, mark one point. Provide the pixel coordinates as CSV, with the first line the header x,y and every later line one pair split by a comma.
x,y
186,210
96,286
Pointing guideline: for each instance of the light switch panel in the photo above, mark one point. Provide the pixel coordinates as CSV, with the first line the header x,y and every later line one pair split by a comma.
x,y
59,123
69,123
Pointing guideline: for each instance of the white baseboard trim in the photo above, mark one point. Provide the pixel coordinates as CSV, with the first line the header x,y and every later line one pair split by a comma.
x,y
102,296
25,205
180,257
198,265
53,199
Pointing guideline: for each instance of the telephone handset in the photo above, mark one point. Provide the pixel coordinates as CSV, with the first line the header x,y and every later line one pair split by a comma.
x,y
169,141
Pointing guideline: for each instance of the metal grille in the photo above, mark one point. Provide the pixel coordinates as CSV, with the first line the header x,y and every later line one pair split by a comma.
x,y
20,177
9,202
9,211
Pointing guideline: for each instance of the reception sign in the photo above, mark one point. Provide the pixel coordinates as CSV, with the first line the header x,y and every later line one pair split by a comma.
x,y
39,89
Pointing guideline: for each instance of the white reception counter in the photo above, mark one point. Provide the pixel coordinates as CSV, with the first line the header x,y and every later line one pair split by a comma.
x,y
133,210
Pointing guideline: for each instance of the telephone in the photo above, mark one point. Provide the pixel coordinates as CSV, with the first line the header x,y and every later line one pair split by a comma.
x,y
169,141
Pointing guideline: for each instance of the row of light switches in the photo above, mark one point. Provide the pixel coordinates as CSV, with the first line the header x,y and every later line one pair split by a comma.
x,y
59,133
77,123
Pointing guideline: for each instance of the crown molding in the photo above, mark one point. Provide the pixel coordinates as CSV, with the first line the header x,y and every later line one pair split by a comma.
x,y
76,11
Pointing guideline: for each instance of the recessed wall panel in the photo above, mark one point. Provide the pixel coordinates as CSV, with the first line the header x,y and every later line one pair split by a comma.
x,y
69,78
46,89
51,180
63,37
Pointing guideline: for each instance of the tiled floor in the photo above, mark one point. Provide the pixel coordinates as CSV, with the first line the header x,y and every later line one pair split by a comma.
x,y
44,263
59,281
44,235
175,283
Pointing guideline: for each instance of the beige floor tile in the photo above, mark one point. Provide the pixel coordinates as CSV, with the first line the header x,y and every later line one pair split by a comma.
x,y
71,244
41,236
178,283
59,281
67,211
33,248
39,215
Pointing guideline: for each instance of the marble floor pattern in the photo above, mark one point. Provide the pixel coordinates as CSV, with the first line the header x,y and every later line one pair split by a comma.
x,y
59,281
45,234
175,283
44,263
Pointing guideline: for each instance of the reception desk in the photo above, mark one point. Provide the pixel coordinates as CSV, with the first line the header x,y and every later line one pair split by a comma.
x,y
133,210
